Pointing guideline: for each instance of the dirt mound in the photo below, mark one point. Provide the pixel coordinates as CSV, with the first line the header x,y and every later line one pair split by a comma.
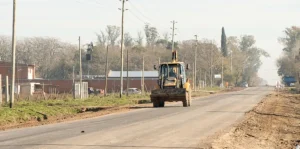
x,y
274,123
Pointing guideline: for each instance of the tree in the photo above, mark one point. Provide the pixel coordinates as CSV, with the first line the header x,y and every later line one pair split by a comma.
x,y
246,58
224,43
291,39
166,36
128,40
113,33
140,39
151,35
288,64
169,46
102,38
246,42
162,42
5,44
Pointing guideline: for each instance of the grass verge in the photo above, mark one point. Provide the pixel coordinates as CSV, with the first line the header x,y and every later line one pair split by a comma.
x,y
40,110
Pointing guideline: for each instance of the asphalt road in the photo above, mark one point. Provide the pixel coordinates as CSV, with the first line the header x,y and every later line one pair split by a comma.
x,y
171,127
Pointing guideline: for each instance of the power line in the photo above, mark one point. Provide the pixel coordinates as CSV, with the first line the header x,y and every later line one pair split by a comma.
x,y
89,3
130,17
5,4
136,8
137,17
148,20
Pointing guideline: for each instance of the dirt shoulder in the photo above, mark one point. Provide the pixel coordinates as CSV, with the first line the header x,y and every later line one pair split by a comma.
x,y
273,123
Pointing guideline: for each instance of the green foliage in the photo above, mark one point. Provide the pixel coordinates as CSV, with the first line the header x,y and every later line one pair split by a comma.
x,y
246,59
224,43
151,35
287,64
292,37
128,40
113,33
246,42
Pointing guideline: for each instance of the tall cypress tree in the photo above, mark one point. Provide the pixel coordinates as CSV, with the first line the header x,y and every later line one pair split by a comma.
x,y
224,43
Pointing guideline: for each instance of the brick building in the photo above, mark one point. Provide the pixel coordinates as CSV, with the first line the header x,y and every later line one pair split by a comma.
x,y
23,71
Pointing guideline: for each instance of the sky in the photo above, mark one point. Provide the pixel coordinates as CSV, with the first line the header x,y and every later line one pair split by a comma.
x,y
68,19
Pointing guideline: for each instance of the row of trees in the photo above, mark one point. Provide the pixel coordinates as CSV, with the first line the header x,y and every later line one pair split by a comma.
x,y
55,59
289,61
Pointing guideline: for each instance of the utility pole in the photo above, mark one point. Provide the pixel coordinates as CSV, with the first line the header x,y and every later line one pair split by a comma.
x,y
13,71
143,77
231,61
88,63
73,85
158,61
1,89
205,80
200,75
158,65
80,67
127,74
173,34
222,73
73,76
106,67
122,46
7,89
211,64
195,65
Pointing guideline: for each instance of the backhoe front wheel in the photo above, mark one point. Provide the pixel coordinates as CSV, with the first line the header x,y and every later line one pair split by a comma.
x,y
185,103
157,104
161,104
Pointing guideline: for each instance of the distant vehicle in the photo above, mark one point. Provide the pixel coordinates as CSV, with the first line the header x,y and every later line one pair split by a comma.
x,y
91,90
245,84
132,91
288,80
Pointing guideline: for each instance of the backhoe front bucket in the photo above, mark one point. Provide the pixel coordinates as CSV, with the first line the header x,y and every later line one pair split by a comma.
x,y
174,94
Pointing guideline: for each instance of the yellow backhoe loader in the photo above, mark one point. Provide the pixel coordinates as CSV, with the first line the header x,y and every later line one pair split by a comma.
x,y
171,83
